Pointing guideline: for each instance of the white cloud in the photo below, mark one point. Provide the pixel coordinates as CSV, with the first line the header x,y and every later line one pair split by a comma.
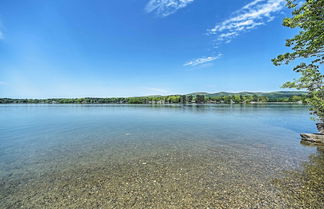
x,y
254,14
166,7
202,60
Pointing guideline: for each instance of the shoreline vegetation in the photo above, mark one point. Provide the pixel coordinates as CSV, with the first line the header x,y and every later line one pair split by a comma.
x,y
193,98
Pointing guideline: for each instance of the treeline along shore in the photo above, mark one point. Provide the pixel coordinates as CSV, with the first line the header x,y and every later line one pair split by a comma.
x,y
193,98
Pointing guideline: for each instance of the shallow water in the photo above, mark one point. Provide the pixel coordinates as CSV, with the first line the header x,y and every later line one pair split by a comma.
x,y
171,156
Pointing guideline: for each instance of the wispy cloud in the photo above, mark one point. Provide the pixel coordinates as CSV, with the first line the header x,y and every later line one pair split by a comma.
x,y
252,15
202,60
166,7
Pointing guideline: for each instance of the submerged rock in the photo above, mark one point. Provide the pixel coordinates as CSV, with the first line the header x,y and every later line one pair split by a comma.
x,y
313,138
320,127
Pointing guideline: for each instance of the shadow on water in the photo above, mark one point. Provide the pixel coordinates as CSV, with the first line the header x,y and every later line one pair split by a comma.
x,y
304,188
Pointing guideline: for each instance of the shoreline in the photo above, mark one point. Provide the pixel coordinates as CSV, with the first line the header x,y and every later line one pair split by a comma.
x,y
252,103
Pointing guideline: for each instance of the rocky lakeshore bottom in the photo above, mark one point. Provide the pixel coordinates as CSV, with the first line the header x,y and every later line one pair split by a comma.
x,y
174,180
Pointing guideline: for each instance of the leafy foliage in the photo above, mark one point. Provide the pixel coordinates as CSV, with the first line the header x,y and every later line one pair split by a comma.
x,y
217,98
308,45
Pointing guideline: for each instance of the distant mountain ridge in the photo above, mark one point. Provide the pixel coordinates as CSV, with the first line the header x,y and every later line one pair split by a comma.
x,y
274,94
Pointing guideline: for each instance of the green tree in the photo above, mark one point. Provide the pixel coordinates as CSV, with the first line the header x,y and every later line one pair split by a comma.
x,y
190,98
200,99
308,45
174,99
236,98
183,99
264,99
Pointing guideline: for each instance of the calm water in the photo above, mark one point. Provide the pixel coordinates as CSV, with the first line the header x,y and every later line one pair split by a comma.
x,y
172,156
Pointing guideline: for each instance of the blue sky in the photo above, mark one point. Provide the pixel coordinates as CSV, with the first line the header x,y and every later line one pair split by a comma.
x,y
100,48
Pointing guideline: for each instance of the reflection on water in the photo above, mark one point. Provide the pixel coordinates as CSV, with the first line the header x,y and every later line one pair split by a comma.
x,y
167,156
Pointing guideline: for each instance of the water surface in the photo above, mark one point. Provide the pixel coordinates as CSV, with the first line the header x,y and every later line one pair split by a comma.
x,y
170,156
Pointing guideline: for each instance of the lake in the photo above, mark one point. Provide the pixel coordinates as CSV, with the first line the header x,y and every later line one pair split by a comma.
x,y
167,156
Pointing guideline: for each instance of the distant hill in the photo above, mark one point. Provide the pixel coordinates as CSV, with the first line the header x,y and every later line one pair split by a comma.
x,y
198,93
275,94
